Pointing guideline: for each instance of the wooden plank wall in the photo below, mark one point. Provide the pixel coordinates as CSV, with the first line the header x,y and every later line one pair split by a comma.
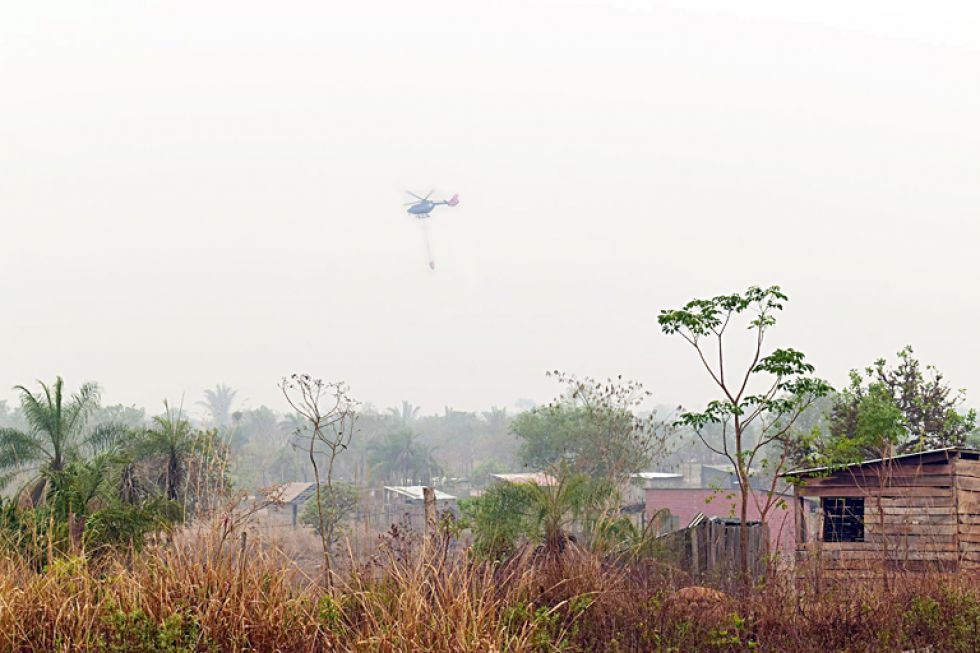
x,y
968,510
910,517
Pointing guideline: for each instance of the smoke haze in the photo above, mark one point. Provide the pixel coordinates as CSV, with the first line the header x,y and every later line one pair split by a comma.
x,y
193,193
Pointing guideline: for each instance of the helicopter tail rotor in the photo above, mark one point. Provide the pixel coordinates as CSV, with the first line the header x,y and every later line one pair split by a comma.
x,y
454,200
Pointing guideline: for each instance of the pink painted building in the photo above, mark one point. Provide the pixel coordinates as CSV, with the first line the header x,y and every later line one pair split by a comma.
x,y
684,505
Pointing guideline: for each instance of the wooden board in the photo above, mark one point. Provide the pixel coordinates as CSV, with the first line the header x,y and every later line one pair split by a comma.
x,y
891,492
874,486
909,518
945,555
899,545
910,529
891,510
968,503
897,467
881,480
968,467
968,483
915,503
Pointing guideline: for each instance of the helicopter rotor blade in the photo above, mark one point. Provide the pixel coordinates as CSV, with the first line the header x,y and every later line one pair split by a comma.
x,y
430,194
416,196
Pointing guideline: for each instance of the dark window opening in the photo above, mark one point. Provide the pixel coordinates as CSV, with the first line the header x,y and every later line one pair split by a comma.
x,y
843,519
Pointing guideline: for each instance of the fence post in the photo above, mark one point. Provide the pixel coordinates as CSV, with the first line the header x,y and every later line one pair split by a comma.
x,y
695,558
429,496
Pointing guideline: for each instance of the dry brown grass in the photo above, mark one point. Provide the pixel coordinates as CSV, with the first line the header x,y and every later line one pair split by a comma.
x,y
209,590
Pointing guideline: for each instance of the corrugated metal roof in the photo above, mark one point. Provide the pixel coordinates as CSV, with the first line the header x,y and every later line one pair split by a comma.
x,y
527,477
873,461
289,492
656,476
415,492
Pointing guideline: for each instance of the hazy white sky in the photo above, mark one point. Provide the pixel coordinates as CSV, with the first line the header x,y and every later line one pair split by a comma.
x,y
204,192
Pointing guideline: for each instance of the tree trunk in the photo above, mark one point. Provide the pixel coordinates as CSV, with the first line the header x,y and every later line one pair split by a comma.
x,y
172,471
743,531
327,578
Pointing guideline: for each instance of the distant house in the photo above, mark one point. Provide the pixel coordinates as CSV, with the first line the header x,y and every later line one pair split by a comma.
x,y
726,477
412,495
286,501
633,494
918,511
407,503
658,479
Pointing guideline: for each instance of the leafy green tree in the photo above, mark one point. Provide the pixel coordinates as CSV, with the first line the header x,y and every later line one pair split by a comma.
x,y
57,435
507,513
497,519
594,428
553,433
758,404
898,409
337,505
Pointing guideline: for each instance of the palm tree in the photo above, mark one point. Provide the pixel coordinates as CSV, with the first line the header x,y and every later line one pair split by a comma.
x,y
572,499
218,403
55,437
401,458
172,439
404,413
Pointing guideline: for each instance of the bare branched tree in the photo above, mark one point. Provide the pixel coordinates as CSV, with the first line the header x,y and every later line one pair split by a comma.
x,y
330,412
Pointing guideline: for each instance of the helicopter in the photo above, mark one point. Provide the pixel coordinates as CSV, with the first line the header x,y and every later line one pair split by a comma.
x,y
423,206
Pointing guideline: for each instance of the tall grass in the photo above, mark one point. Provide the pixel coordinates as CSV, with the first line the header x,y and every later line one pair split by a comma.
x,y
208,591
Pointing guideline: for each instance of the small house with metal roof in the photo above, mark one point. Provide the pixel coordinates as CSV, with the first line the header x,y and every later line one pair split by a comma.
x,y
917,512
405,504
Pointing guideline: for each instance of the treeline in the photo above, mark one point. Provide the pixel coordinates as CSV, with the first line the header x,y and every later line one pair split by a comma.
x,y
114,473
397,445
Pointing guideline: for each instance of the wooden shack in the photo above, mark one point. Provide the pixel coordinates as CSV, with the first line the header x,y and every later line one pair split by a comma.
x,y
912,512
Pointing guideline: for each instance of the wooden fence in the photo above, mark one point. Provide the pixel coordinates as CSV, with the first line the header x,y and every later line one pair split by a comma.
x,y
709,547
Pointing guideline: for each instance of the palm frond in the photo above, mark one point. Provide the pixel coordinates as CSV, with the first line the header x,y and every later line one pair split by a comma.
x,y
9,477
106,438
19,449
93,474
83,403
40,414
